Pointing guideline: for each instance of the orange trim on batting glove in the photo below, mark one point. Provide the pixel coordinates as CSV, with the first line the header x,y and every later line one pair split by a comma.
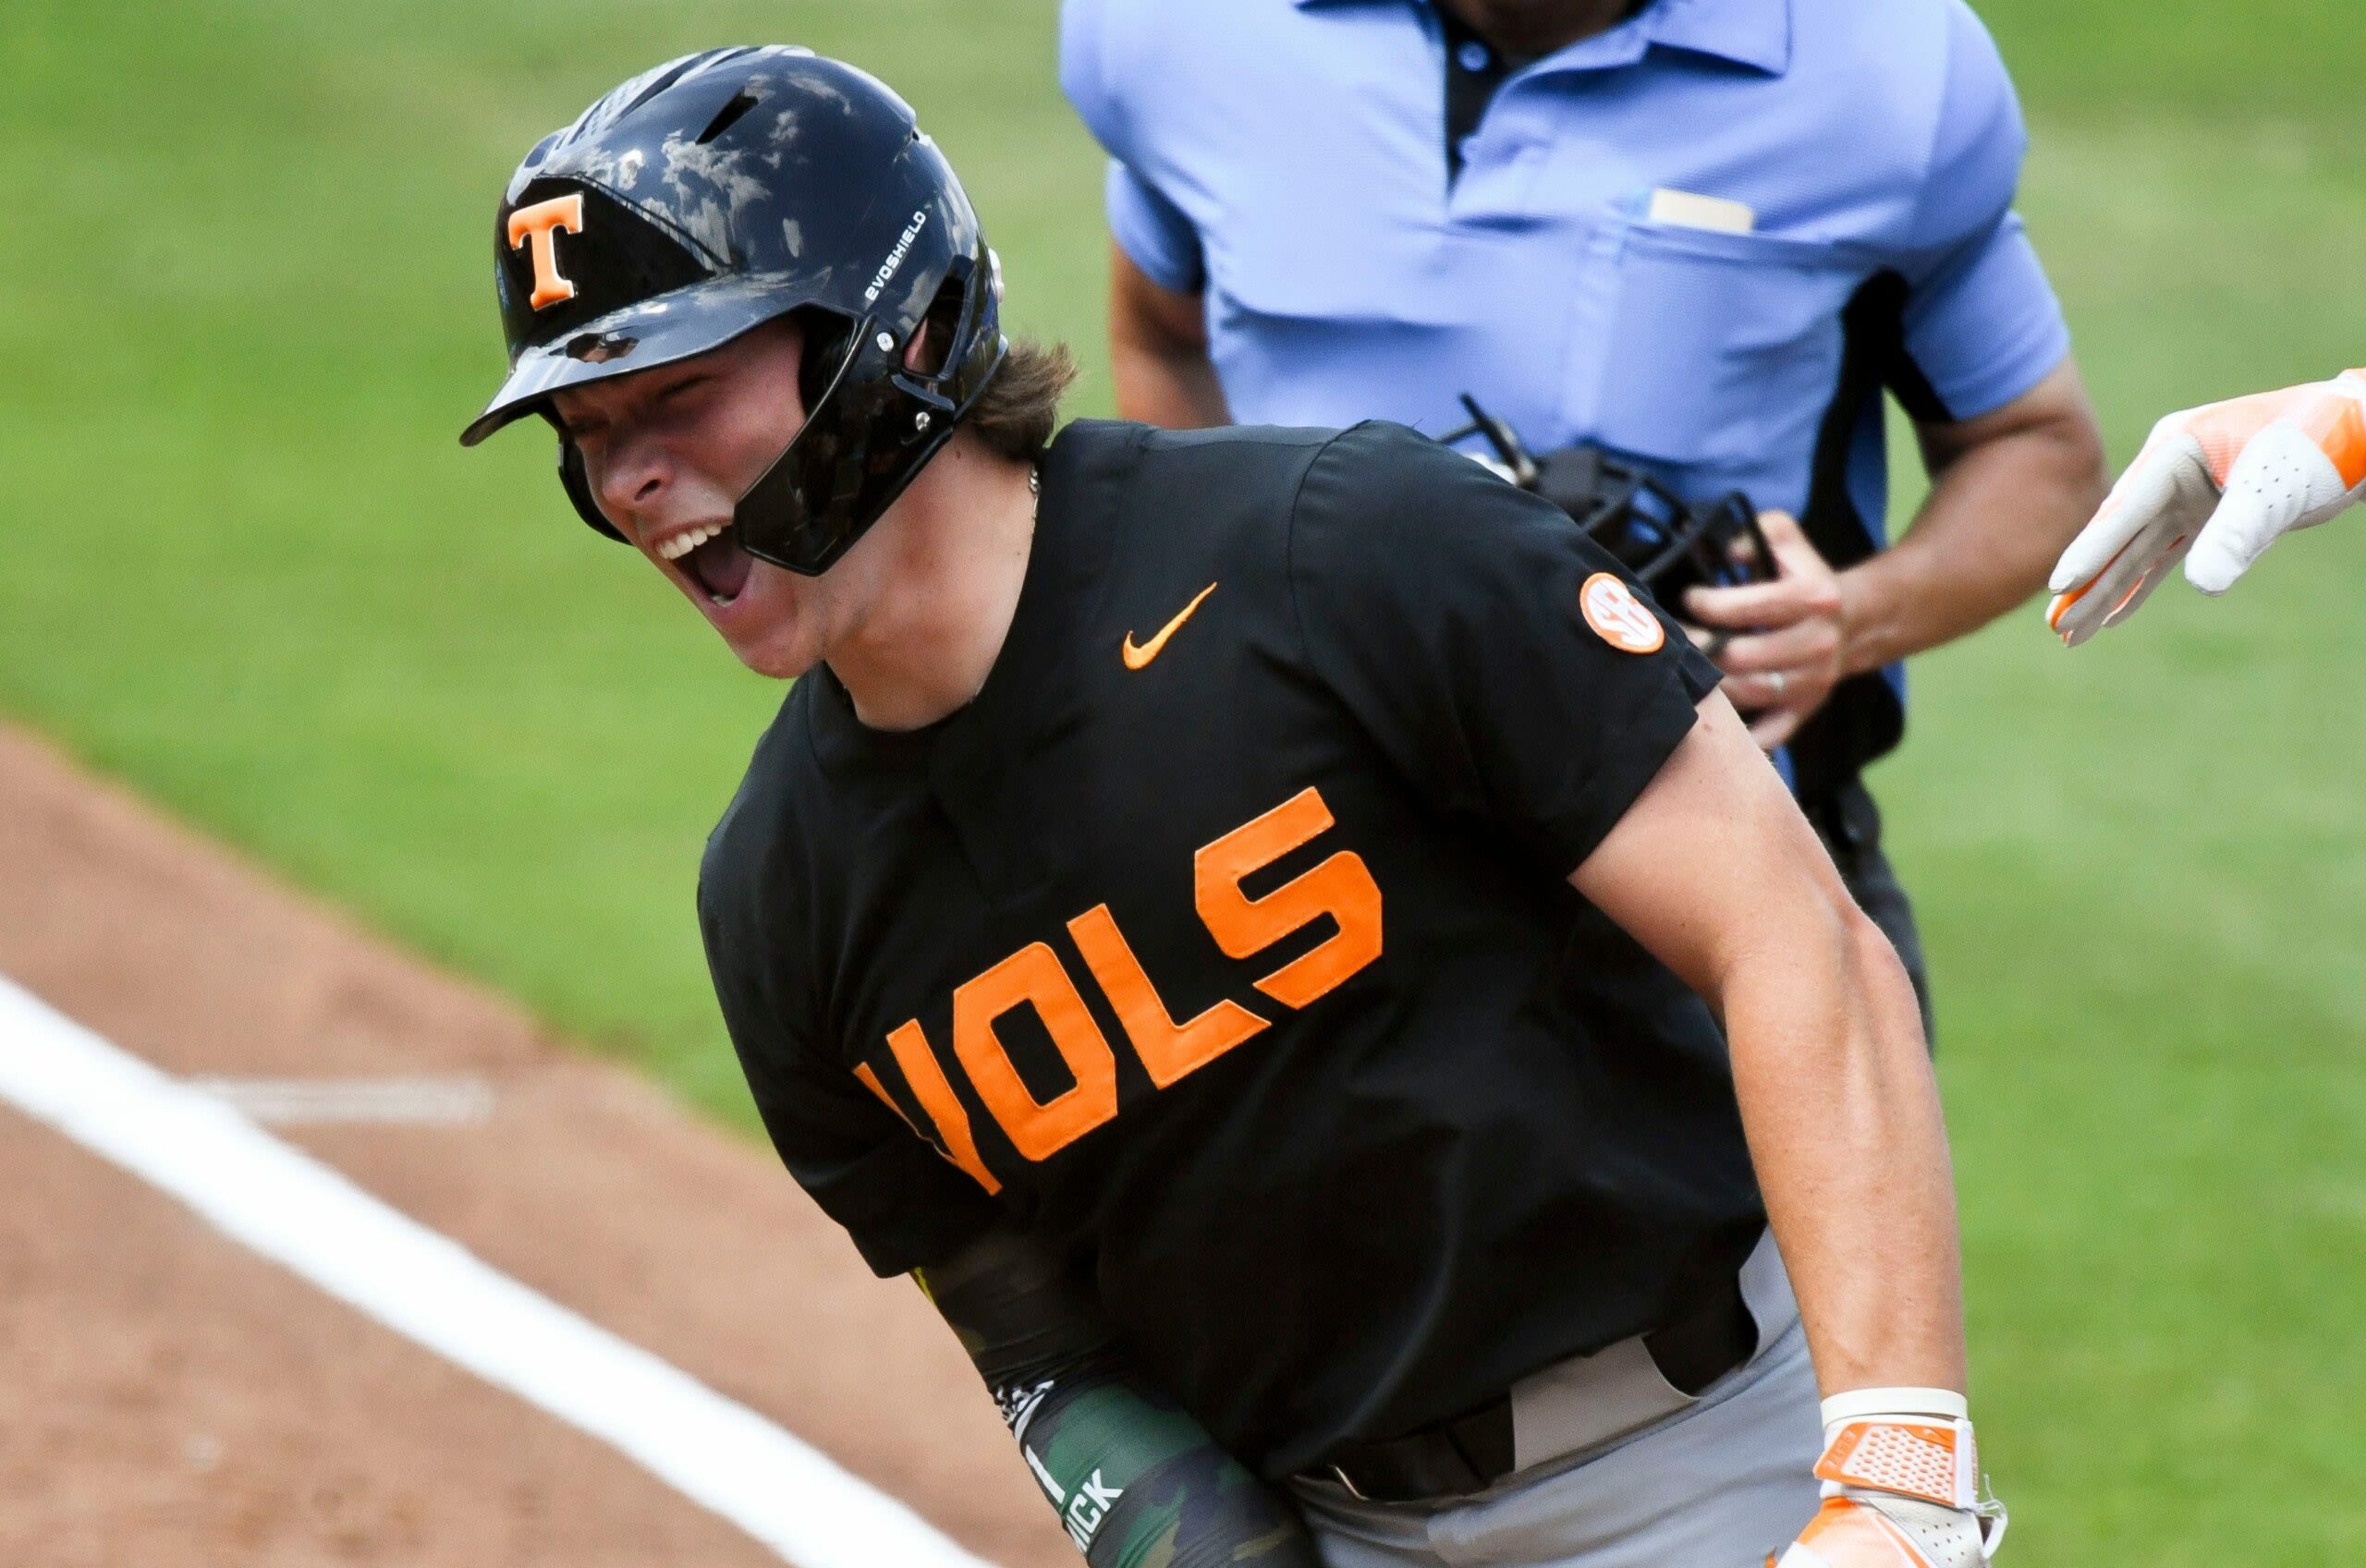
x,y
1900,1491
2213,488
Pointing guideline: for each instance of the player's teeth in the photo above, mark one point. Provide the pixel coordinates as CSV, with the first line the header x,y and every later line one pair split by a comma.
x,y
682,544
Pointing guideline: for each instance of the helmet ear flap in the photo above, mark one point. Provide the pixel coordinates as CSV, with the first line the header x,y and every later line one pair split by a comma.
x,y
578,485
828,341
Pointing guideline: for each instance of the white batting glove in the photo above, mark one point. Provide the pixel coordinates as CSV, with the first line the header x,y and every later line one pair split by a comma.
x,y
1901,1487
2224,482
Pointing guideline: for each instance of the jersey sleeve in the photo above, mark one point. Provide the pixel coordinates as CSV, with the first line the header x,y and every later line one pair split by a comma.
x,y
1980,324
902,1203
1151,230
1448,611
1155,234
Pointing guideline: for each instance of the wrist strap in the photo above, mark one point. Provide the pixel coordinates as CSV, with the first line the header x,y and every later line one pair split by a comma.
x,y
1932,1461
1945,1404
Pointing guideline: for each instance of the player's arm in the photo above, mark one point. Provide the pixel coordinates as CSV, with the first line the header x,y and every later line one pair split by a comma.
x,y
1158,351
1135,1480
2213,487
1714,870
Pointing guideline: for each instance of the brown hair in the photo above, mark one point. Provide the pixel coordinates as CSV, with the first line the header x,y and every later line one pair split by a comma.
x,y
1020,408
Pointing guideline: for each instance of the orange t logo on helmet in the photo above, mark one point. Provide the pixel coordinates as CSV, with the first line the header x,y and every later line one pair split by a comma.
x,y
536,224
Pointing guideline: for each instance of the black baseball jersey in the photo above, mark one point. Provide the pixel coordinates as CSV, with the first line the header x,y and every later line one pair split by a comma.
x,y
1224,941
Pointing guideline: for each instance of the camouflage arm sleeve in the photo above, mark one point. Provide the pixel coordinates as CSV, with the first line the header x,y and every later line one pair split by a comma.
x,y
1138,1483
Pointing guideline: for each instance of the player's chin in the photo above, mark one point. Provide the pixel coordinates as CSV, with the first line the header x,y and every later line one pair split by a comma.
x,y
782,657
756,614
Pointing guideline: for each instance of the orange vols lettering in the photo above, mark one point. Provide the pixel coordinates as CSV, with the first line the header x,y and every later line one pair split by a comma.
x,y
1341,887
1033,976
870,1080
1169,1051
535,225
935,1095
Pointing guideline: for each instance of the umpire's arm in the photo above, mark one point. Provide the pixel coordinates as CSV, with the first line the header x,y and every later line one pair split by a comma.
x,y
1714,870
1158,351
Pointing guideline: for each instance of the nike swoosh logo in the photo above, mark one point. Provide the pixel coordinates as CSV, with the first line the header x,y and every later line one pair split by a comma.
x,y
1136,658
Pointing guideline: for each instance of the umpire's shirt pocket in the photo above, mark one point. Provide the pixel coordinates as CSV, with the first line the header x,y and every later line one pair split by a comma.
x,y
1715,349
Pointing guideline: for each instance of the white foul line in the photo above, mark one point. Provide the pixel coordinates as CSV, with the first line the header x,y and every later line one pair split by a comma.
x,y
411,1103
300,1213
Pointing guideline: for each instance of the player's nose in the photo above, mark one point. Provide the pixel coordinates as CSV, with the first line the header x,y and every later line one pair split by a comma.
x,y
633,480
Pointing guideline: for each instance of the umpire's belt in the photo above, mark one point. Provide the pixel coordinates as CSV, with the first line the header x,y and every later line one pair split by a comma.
x,y
1584,1402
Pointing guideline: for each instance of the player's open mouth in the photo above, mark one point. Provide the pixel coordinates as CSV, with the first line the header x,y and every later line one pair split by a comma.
x,y
711,557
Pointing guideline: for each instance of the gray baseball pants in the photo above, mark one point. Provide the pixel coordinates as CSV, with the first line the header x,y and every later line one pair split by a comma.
x,y
1718,1484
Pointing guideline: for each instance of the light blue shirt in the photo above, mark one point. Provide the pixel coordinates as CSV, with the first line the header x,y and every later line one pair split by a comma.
x,y
1289,158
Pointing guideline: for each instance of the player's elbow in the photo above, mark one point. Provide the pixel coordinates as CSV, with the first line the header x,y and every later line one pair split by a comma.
x,y
1843,970
1881,993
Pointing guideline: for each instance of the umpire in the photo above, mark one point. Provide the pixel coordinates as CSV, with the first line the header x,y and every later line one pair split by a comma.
x,y
1706,235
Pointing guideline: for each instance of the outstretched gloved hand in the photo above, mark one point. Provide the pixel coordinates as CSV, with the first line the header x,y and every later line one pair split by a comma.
x,y
1901,1487
2223,481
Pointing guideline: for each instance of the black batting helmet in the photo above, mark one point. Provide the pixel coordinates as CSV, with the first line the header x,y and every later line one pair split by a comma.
x,y
725,189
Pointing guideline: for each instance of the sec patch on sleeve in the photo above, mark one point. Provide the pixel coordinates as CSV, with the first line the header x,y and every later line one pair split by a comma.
x,y
1618,616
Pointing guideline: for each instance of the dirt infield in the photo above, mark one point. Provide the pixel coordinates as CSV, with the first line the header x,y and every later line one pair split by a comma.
x,y
168,1397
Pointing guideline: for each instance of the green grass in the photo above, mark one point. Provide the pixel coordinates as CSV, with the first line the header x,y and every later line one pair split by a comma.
x,y
244,304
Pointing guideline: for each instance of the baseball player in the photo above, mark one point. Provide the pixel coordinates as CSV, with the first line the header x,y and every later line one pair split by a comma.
x,y
2213,487
1245,918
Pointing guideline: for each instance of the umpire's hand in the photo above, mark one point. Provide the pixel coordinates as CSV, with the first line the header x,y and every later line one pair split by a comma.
x,y
1783,645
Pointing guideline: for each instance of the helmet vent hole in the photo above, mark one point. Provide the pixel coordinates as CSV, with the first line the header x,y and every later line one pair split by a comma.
x,y
938,330
728,116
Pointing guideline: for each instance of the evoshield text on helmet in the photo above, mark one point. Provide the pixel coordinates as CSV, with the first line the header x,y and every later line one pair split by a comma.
x,y
725,189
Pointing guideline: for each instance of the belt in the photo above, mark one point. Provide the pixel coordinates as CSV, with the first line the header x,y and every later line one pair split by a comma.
x,y
1473,1451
